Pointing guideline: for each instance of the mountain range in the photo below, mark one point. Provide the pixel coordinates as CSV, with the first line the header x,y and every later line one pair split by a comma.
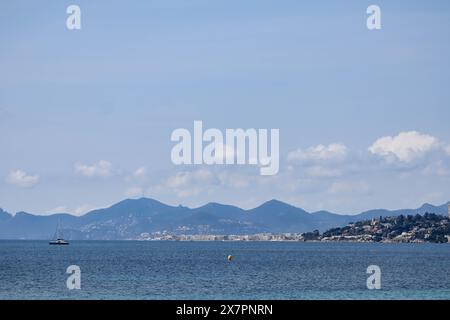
x,y
130,218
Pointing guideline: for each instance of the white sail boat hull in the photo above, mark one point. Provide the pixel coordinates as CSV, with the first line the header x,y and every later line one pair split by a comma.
x,y
58,237
59,242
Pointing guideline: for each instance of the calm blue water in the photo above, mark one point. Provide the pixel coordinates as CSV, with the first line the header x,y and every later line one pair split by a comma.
x,y
199,270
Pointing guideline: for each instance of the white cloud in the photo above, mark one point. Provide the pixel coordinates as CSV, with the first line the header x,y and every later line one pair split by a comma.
x,y
189,183
447,149
134,192
205,183
321,161
188,178
405,147
137,176
140,172
85,208
102,168
59,209
225,153
21,179
334,151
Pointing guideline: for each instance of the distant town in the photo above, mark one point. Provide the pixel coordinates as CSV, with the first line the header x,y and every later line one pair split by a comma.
x,y
400,229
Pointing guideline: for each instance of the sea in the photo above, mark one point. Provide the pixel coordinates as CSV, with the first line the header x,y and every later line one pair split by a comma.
x,y
201,270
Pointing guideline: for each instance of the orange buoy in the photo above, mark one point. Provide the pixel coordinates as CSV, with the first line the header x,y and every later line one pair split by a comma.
x,y
230,257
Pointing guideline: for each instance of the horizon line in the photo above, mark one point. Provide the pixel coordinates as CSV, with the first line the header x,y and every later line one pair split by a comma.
x,y
212,202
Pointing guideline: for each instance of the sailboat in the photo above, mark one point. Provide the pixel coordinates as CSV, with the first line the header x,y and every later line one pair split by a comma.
x,y
58,239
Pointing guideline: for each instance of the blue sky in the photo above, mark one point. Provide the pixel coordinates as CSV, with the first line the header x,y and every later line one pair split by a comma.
x,y
86,116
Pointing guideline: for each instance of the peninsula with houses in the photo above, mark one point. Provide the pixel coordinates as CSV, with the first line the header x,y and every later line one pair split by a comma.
x,y
429,227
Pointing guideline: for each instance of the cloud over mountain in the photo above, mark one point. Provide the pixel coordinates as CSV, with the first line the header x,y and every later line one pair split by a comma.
x,y
102,168
404,147
21,179
334,151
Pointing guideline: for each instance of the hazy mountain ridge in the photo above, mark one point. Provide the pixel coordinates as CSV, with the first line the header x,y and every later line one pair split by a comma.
x,y
130,218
